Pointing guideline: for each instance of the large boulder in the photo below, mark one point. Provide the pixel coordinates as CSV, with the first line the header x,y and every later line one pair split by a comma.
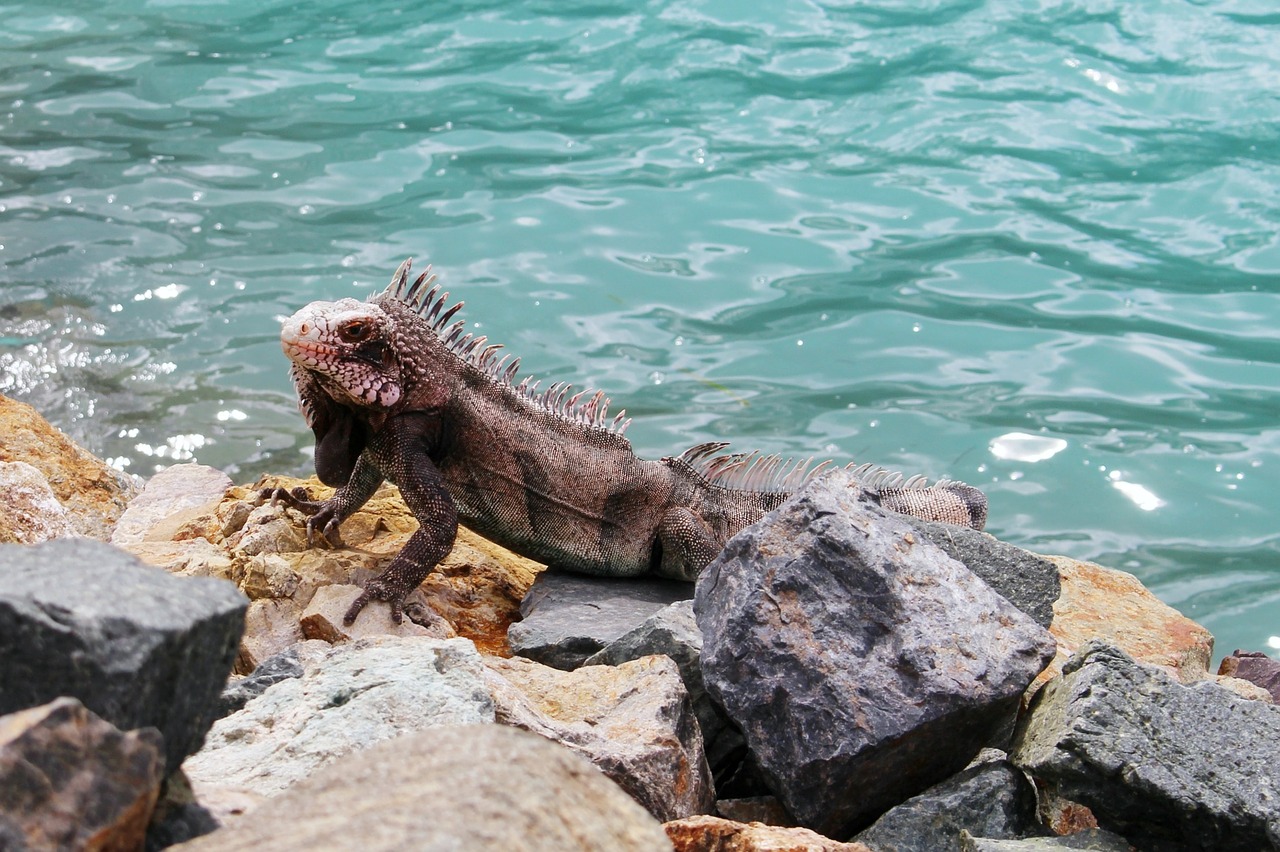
x,y
861,662
347,698
566,618
635,721
1165,765
70,780
473,787
138,647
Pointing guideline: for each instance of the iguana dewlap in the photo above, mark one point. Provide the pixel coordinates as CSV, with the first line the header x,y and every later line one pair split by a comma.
x,y
394,389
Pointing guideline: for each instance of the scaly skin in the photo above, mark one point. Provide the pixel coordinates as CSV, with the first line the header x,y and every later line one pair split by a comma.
x,y
392,391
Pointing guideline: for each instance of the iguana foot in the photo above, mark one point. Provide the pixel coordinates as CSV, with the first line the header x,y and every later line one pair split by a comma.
x,y
322,514
379,589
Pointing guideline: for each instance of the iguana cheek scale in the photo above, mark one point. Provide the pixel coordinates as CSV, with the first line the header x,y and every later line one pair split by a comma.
x,y
394,391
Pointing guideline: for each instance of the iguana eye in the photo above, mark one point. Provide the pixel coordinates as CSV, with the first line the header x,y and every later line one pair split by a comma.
x,y
355,331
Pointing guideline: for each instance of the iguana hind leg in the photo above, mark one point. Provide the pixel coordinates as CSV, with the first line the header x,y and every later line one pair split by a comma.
x,y
685,545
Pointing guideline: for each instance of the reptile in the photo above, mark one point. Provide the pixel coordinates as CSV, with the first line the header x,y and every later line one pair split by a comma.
x,y
394,388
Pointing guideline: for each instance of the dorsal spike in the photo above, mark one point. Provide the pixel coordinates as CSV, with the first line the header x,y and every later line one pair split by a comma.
x,y
414,296
448,315
399,278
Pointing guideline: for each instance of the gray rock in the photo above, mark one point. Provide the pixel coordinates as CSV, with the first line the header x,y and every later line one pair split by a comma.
x,y
70,780
1168,766
137,646
567,618
633,720
449,788
1089,840
990,799
1027,580
862,664
271,671
353,695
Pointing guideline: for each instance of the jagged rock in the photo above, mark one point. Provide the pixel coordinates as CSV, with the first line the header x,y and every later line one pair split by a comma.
x,y
348,697
673,632
93,494
1255,667
1158,762
466,788
990,799
1114,606
1027,580
29,511
567,618
70,780
634,721
714,834
1089,840
322,618
178,488
138,647
862,664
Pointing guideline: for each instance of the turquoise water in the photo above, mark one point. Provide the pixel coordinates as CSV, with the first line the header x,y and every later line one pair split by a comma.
x,y
900,232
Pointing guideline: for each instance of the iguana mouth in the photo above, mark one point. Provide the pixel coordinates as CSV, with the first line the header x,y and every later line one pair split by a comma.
x,y
310,352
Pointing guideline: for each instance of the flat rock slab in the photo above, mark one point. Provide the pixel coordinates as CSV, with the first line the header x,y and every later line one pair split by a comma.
x,y
862,663
475,787
70,780
1165,765
346,699
168,492
138,647
567,617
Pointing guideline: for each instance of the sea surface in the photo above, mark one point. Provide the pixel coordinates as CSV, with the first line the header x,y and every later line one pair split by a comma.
x,y
1030,245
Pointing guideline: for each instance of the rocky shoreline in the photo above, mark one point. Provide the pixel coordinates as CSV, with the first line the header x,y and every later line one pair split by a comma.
x,y
176,674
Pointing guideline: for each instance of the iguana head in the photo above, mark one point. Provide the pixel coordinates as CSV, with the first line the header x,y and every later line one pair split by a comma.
x,y
347,347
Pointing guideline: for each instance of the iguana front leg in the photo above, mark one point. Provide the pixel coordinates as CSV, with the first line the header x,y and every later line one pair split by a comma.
x,y
326,516
687,543
401,452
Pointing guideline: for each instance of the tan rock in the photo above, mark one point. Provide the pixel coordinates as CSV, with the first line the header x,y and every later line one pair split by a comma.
x,y
262,547
322,619
70,780
29,511
94,494
1103,603
635,721
270,626
714,834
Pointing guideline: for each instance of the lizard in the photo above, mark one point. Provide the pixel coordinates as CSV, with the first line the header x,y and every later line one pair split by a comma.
x,y
394,388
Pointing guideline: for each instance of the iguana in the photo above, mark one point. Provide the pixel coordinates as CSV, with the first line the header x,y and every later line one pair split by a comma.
x,y
394,390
